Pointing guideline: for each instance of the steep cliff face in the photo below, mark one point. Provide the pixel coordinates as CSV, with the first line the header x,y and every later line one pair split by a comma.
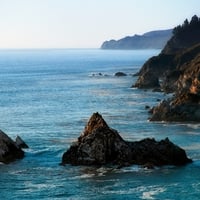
x,y
185,69
179,50
177,68
185,104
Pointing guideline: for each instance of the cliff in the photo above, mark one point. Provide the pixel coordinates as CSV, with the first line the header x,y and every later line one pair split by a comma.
x,y
176,69
149,40
180,49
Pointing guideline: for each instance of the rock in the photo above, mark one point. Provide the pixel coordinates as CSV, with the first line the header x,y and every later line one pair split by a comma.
x,y
20,143
99,145
164,152
147,80
9,151
147,107
181,108
169,84
120,74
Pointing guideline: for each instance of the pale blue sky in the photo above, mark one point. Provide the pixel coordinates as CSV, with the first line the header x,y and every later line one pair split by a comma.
x,y
85,23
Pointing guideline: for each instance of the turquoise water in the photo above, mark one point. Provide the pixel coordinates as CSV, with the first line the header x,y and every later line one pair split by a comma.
x,y
47,96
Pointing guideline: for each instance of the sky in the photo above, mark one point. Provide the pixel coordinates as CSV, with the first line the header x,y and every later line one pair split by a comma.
x,y
86,23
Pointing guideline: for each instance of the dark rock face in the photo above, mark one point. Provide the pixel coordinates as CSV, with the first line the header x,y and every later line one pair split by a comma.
x,y
147,81
184,107
9,151
100,145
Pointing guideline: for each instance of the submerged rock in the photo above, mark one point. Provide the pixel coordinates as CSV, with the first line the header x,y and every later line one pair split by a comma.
x,y
120,74
9,151
99,145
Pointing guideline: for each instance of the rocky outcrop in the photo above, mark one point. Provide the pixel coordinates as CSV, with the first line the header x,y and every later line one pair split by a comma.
x,y
9,151
99,145
181,108
149,40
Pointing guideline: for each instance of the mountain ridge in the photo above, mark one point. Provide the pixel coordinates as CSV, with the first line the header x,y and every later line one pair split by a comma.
x,y
150,40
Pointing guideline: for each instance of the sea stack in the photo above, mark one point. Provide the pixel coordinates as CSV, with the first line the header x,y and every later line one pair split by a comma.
x,y
99,145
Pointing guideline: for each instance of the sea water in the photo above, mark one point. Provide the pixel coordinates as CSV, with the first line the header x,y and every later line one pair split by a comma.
x,y
47,96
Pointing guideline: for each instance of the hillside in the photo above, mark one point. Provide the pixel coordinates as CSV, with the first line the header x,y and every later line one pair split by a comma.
x,y
149,40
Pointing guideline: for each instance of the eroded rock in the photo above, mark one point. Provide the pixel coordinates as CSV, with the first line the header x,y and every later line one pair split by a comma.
x,y
99,145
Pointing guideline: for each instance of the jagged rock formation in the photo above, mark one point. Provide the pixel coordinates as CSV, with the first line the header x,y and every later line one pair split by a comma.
x,y
9,151
149,40
99,145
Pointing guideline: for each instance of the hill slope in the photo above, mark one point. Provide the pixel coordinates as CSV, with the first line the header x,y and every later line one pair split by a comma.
x,y
149,40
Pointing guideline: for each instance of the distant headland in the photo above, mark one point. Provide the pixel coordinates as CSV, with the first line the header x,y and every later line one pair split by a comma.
x,y
150,40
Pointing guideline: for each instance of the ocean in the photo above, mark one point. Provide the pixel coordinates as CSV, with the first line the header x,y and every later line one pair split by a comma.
x,y
47,97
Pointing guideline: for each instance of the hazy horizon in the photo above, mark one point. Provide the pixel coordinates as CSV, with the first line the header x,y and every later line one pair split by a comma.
x,y
60,24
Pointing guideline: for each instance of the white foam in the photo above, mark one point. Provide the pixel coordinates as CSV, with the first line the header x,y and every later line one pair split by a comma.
x,y
83,176
152,192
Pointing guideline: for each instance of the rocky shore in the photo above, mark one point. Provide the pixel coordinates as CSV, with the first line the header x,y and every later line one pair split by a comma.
x,y
176,70
100,145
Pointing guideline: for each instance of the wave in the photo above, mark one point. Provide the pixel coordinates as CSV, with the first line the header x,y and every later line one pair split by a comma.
x,y
143,192
152,192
